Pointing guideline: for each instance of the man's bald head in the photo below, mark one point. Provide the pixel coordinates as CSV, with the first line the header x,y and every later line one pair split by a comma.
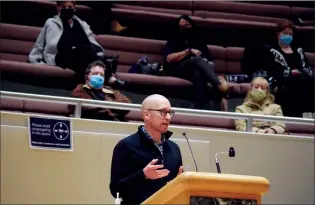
x,y
153,102
156,113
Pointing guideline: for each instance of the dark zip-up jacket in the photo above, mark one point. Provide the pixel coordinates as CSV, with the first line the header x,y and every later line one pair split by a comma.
x,y
130,156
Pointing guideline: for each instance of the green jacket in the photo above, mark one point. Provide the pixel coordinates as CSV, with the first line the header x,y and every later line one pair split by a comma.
x,y
267,108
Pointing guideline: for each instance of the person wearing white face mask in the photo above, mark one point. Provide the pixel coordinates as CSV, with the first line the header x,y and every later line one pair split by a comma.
x,y
94,89
259,101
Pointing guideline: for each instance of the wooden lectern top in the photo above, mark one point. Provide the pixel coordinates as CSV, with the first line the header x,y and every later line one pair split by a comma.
x,y
210,185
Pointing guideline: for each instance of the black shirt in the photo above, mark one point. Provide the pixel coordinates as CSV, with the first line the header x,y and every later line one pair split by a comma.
x,y
72,37
293,59
134,153
98,94
180,44
75,51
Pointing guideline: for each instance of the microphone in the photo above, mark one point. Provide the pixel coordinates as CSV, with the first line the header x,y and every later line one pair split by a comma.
x,y
184,134
231,154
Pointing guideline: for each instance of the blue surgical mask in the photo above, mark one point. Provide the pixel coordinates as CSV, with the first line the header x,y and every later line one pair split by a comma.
x,y
286,39
96,81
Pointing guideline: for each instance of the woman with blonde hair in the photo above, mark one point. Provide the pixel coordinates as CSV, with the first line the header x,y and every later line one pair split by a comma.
x,y
259,101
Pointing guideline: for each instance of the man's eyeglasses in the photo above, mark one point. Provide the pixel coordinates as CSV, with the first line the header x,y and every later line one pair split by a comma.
x,y
164,112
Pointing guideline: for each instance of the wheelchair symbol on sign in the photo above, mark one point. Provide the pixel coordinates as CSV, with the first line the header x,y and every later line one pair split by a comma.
x,y
61,131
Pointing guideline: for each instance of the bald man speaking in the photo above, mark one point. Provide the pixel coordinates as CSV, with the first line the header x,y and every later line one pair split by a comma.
x,y
145,161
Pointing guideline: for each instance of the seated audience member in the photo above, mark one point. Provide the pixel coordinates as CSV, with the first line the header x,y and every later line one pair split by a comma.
x,y
186,56
67,41
288,72
94,89
259,101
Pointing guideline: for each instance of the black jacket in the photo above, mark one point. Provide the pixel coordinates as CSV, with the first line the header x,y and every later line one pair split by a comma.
x,y
273,64
130,156
180,43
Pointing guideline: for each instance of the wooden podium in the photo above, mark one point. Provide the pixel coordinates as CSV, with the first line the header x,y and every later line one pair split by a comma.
x,y
210,188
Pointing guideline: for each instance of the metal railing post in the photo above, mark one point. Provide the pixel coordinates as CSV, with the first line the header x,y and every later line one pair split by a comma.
x,y
249,124
77,111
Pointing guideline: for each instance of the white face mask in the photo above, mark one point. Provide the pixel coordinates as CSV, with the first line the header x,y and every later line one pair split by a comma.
x,y
258,95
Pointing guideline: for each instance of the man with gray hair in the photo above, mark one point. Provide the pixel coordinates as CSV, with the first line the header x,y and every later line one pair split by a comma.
x,y
145,161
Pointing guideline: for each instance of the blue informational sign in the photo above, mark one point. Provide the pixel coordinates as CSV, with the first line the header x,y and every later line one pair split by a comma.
x,y
50,133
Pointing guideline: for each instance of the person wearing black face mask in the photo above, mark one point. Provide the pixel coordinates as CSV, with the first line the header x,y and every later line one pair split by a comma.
x,y
67,13
74,48
186,56
186,33
67,41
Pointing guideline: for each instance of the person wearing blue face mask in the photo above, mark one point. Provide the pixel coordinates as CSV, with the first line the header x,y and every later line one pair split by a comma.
x,y
290,75
94,89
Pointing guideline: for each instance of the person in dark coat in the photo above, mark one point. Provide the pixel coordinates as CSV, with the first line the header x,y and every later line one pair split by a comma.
x,y
188,57
68,42
288,71
94,89
145,161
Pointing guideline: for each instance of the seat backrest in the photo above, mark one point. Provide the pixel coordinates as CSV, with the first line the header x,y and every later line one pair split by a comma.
x,y
311,58
300,128
304,36
181,5
243,8
219,59
306,4
234,16
304,13
11,104
211,122
234,56
153,9
130,50
34,107
17,41
46,108
35,13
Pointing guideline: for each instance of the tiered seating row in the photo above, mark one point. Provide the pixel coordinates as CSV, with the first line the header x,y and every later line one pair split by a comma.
x,y
223,23
205,9
17,42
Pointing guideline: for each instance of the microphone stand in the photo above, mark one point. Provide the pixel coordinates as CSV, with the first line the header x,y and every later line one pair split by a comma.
x,y
184,134
217,163
231,153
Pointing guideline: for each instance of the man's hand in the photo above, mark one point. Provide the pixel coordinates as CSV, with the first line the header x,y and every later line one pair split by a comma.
x,y
180,170
151,170
195,51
